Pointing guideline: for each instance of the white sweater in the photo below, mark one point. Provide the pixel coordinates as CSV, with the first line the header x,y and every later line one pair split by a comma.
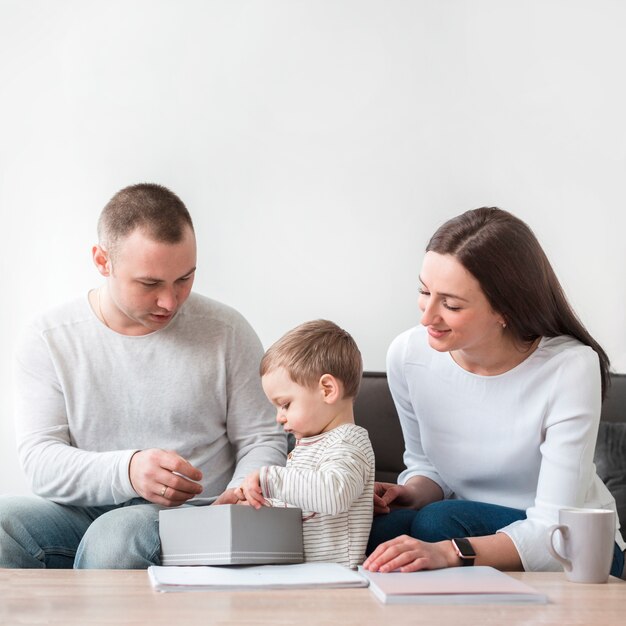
x,y
88,398
331,478
523,439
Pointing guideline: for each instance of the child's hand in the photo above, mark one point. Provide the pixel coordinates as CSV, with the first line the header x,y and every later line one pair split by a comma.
x,y
251,488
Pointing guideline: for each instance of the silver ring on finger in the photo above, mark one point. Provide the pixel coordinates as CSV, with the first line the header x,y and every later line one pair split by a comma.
x,y
163,491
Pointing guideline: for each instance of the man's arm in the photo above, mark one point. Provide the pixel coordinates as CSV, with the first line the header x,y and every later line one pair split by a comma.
x,y
58,470
255,436
53,466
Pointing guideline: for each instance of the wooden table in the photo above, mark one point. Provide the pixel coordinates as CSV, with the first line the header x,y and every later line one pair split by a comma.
x,y
125,597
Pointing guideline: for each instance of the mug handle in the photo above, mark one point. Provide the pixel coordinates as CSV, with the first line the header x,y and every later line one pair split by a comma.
x,y
567,564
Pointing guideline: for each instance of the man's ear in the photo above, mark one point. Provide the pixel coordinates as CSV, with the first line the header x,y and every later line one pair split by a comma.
x,y
330,388
101,260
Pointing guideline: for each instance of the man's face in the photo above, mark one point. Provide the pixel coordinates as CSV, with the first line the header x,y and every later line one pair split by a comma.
x,y
147,282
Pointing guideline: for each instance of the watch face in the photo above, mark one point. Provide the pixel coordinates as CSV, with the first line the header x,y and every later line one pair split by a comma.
x,y
464,548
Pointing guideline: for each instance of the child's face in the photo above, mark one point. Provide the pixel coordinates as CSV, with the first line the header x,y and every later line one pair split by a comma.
x,y
302,411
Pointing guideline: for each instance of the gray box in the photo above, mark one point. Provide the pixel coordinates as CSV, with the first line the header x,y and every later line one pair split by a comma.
x,y
229,534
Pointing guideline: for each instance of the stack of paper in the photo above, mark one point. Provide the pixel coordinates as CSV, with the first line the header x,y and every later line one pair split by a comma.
x,y
456,585
239,577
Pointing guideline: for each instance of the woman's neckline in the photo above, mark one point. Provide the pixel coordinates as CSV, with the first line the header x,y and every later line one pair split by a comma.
x,y
505,369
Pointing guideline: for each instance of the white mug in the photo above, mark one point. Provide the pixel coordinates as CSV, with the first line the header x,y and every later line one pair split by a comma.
x,y
588,539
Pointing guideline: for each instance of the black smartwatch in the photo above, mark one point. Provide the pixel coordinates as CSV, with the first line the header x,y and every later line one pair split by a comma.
x,y
464,550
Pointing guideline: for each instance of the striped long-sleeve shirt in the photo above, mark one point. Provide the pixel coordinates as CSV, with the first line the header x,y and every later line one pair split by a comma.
x,y
331,478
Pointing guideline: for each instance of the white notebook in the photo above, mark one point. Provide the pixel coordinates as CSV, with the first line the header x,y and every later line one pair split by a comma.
x,y
240,577
455,585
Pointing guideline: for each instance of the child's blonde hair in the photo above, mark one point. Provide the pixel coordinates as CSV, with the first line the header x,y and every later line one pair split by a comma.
x,y
313,349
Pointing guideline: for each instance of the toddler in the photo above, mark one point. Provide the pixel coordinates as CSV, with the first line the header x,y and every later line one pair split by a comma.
x,y
312,376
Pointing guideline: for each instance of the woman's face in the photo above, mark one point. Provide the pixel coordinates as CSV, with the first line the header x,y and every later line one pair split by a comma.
x,y
456,312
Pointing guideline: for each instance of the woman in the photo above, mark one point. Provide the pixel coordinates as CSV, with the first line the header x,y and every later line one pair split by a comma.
x,y
499,394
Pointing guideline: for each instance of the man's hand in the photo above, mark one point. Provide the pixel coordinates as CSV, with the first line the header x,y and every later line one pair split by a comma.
x,y
163,477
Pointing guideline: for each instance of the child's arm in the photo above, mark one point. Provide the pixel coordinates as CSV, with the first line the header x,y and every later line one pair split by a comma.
x,y
251,489
331,488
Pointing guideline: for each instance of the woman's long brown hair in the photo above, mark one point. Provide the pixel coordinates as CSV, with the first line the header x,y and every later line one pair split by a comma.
x,y
503,254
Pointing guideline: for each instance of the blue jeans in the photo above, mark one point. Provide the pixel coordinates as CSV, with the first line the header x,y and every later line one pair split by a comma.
x,y
35,532
447,519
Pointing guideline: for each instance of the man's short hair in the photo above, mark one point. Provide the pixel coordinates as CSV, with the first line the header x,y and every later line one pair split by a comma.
x,y
153,208
313,349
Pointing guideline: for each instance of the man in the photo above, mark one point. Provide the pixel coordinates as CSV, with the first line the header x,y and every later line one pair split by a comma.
x,y
141,396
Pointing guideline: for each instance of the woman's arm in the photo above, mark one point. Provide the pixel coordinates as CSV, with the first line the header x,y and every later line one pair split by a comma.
x,y
566,474
409,555
416,493
419,467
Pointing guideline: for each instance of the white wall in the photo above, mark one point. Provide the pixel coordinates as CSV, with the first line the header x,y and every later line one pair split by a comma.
x,y
317,145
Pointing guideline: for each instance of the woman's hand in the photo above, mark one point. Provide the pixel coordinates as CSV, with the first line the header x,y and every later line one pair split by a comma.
x,y
406,554
414,494
386,494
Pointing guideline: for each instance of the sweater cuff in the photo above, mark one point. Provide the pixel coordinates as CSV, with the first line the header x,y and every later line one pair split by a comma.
x,y
121,488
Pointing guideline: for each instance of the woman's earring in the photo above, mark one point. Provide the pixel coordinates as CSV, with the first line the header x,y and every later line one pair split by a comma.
x,y
503,325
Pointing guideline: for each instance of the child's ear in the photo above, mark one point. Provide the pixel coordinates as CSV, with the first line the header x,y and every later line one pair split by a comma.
x,y
330,388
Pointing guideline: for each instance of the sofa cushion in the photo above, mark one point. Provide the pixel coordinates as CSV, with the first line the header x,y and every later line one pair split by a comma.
x,y
614,405
375,411
610,460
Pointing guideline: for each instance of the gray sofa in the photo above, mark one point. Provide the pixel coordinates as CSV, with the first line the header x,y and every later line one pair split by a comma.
x,y
375,411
